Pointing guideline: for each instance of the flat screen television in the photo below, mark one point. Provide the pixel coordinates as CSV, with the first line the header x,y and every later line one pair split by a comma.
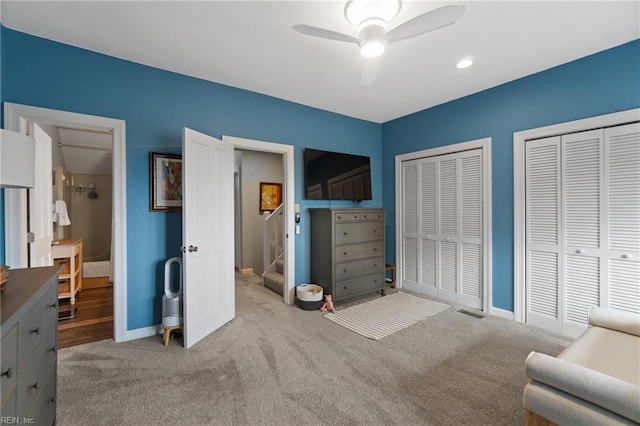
x,y
336,176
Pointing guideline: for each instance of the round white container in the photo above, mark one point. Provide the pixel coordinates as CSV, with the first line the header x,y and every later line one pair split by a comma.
x,y
309,292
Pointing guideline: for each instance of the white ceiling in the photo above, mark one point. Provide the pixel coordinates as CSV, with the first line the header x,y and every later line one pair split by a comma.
x,y
251,45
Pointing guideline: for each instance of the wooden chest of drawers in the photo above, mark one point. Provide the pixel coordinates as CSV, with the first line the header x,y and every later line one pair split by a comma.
x,y
28,367
347,251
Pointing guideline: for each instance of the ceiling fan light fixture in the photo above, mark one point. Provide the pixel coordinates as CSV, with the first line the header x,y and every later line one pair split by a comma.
x,y
358,11
372,48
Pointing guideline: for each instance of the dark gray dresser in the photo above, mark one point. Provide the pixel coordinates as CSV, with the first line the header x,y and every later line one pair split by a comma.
x,y
347,251
28,367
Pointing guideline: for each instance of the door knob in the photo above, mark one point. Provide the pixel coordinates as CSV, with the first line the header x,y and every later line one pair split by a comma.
x,y
193,248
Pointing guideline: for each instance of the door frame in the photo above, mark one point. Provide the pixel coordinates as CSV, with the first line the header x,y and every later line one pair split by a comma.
x,y
287,152
485,145
519,211
16,117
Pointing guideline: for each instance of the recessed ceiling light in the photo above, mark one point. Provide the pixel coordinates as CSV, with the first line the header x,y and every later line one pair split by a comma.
x,y
465,63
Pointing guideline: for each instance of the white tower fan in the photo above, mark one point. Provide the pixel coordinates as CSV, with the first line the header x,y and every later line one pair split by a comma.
x,y
172,300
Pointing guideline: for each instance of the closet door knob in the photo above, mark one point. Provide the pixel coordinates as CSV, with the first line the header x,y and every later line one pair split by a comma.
x,y
8,372
36,330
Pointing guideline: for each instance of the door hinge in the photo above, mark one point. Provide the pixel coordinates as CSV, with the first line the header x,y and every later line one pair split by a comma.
x,y
31,237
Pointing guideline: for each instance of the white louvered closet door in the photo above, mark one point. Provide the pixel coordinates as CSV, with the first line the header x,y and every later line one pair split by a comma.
x,y
622,158
442,227
470,230
428,227
583,226
410,214
582,197
543,233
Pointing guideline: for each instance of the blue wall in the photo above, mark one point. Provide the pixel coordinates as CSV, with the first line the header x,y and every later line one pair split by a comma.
x,y
599,84
156,105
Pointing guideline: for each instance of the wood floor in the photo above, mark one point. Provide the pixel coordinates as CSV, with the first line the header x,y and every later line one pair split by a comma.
x,y
94,319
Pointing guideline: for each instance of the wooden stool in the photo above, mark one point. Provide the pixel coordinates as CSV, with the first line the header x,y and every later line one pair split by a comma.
x,y
167,332
391,268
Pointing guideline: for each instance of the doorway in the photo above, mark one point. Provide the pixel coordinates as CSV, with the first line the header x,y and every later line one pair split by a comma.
x,y
17,118
286,152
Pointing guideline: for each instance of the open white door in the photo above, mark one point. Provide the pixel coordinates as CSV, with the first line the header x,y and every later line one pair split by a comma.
x,y
40,202
207,221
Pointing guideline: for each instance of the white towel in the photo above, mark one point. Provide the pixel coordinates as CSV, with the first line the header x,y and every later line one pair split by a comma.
x,y
59,213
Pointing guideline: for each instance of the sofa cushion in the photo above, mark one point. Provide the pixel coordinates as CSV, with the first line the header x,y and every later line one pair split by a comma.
x,y
610,352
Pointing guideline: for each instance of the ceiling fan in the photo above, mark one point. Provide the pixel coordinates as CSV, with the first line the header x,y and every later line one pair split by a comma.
x,y
371,17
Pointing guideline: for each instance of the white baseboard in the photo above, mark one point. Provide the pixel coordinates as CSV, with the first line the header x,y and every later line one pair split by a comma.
x,y
501,313
139,333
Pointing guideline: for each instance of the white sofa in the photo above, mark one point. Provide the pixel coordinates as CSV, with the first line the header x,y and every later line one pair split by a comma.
x,y
594,381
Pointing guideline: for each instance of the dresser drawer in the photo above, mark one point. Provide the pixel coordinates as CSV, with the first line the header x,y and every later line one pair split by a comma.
x,y
33,377
30,331
372,215
356,232
9,363
358,251
358,285
358,267
346,216
44,408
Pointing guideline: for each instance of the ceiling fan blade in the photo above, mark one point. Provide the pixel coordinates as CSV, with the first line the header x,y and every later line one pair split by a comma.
x,y
370,71
426,22
322,33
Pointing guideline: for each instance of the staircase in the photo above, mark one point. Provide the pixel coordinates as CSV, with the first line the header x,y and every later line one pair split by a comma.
x,y
273,254
274,280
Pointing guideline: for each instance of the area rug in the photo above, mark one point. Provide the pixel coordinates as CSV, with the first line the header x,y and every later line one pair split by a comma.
x,y
381,317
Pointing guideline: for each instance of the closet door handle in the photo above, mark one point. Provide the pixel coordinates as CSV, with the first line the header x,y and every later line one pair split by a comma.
x,y
8,372
36,330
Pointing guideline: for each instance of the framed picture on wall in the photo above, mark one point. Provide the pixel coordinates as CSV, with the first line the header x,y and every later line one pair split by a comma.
x,y
166,181
270,196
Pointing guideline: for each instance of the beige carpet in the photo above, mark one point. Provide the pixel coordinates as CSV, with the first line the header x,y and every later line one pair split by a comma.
x,y
381,317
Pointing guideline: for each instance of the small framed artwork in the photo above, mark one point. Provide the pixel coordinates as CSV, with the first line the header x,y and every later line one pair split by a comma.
x,y
166,181
270,196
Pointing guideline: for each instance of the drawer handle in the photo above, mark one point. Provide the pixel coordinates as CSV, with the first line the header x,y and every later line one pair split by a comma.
x,y
344,270
34,386
339,217
375,265
375,249
345,253
36,330
8,372
345,233
626,256
345,287
355,216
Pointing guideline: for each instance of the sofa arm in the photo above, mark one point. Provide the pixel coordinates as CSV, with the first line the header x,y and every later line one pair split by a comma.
x,y
626,322
613,394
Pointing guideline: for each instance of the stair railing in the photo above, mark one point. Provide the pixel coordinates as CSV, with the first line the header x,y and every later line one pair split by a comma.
x,y
272,239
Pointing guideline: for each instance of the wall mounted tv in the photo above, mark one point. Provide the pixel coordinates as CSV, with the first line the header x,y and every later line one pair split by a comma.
x,y
336,176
